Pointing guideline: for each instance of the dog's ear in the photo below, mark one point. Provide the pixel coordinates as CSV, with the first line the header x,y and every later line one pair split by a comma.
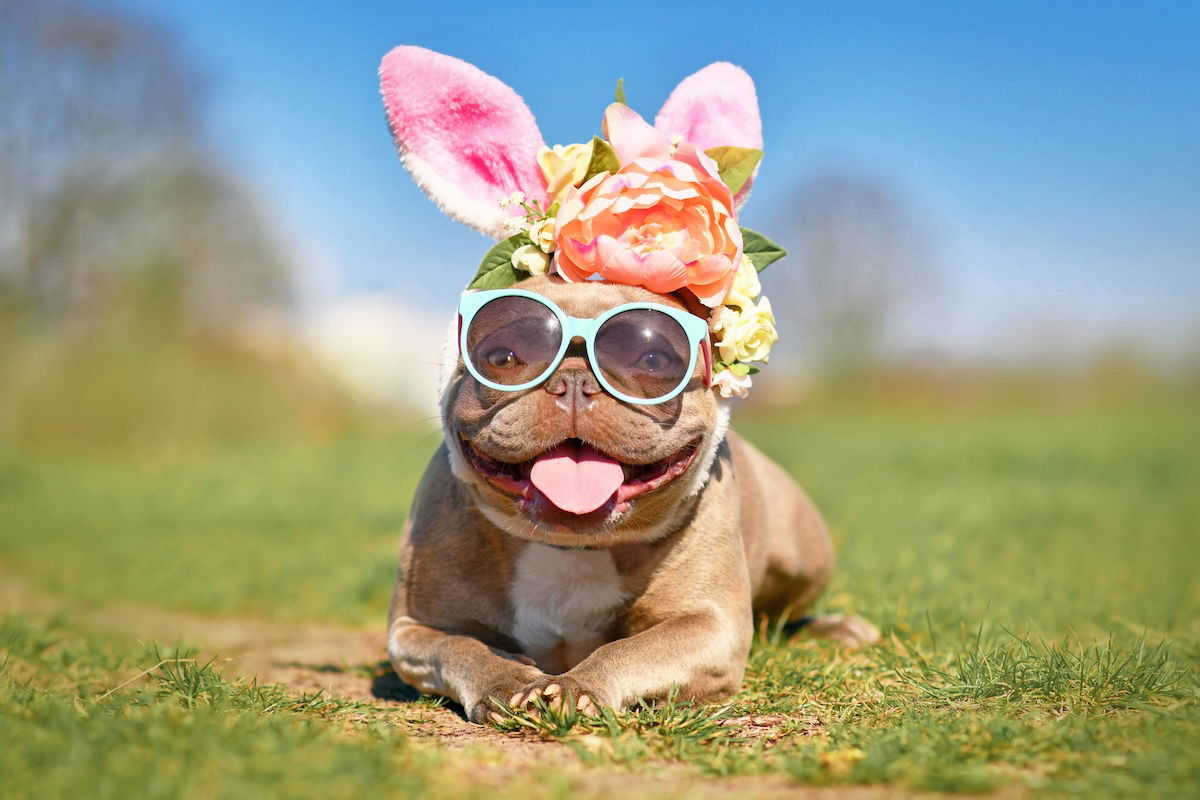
x,y
714,107
467,138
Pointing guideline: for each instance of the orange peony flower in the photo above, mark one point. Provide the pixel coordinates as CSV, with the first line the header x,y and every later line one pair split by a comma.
x,y
664,220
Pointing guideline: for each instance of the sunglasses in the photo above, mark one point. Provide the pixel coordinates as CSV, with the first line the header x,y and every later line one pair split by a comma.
x,y
641,353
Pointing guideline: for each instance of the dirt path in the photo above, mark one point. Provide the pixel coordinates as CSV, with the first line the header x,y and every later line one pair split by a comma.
x,y
342,662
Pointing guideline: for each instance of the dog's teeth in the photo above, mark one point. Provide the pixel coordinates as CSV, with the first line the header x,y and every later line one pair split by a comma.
x,y
551,690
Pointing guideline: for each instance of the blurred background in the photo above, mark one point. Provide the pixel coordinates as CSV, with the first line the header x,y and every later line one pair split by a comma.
x,y
223,301
965,193
221,294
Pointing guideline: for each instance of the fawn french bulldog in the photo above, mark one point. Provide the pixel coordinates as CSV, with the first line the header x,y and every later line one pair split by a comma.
x,y
590,531
502,593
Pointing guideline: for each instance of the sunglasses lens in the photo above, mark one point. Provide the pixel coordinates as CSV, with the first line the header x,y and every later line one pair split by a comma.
x,y
513,340
643,353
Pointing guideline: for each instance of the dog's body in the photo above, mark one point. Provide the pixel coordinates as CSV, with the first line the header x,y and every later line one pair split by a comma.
x,y
501,598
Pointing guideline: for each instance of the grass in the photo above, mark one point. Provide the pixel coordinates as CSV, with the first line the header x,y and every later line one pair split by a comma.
x,y
183,732
1032,568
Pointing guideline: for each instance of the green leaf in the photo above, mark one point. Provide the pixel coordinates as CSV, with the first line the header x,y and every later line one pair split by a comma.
x,y
496,271
735,164
604,159
760,250
620,93
739,369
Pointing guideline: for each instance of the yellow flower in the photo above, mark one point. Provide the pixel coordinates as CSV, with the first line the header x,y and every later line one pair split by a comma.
x,y
531,259
841,762
563,166
746,288
746,333
542,234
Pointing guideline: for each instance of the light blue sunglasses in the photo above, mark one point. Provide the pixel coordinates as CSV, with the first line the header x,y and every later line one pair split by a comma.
x,y
641,353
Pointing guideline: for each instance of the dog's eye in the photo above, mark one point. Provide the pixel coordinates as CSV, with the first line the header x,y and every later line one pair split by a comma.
x,y
503,357
654,361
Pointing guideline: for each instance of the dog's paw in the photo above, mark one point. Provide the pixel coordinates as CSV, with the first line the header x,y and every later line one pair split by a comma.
x,y
847,630
490,708
491,702
557,692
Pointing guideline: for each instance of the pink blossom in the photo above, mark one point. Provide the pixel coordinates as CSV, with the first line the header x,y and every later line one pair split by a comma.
x,y
664,220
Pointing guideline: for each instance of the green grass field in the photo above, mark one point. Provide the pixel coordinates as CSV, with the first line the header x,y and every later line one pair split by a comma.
x,y
1034,571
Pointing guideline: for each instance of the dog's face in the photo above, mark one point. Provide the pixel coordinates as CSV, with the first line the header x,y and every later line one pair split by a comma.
x,y
505,445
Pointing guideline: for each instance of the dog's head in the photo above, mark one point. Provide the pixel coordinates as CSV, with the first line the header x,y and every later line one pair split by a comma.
x,y
526,456
651,209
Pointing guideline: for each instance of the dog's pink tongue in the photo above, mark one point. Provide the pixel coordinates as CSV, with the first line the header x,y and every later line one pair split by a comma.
x,y
576,478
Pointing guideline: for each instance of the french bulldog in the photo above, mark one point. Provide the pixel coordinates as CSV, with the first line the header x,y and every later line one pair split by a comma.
x,y
502,595
568,544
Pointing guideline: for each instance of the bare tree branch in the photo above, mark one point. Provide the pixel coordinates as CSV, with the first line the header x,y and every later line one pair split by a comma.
x,y
860,262
104,171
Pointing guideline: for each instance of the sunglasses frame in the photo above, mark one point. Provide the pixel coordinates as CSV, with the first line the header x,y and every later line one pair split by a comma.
x,y
694,328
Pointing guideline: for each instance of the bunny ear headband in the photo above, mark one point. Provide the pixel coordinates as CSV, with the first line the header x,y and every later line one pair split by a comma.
x,y
646,205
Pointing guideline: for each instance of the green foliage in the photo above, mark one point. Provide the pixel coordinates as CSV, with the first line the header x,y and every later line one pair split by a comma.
x,y
496,271
738,368
619,94
604,159
128,386
735,165
761,251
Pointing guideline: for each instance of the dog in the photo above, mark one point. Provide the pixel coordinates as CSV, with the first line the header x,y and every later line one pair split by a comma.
x,y
579,537
497,602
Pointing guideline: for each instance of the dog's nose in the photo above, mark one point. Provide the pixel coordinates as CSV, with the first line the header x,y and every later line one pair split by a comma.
x,y
574,387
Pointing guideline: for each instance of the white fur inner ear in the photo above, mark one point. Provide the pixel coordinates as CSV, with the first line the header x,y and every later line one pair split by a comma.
x,y
715,107
453,202
466,137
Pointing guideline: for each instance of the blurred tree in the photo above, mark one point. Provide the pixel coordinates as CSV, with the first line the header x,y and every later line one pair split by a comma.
x,y
108,196
861,263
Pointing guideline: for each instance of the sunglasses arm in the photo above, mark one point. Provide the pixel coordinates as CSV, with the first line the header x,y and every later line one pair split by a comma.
x,y
706,348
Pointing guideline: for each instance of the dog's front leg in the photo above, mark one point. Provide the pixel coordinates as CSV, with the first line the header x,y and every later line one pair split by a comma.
x,y
459,667
703,654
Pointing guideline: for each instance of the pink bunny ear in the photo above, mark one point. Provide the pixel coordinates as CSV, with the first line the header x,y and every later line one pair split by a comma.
x,y
466,137
713,107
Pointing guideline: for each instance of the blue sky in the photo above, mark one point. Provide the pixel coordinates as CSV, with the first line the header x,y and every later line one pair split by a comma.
x,y
1050,151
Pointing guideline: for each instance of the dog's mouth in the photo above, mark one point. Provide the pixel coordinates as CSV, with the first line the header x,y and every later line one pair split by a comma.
x,y
578,479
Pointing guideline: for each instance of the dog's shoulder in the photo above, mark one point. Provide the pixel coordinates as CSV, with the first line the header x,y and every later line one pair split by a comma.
x,y
756,472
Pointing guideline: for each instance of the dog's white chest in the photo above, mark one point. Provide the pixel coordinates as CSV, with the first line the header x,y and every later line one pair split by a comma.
x,y
562,602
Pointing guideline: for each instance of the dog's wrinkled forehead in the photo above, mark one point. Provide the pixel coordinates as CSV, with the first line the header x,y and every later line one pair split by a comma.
x,y
592,298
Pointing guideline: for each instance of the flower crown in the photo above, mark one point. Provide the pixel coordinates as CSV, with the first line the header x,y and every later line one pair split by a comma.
x,y
644,205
